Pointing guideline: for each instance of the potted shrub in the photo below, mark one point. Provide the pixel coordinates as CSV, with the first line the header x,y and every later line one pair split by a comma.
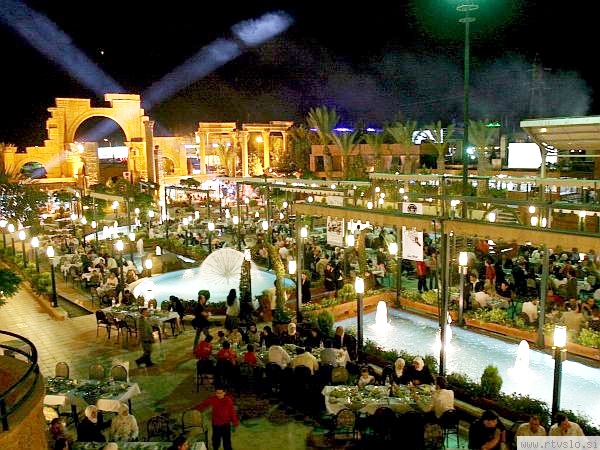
x,y
491,382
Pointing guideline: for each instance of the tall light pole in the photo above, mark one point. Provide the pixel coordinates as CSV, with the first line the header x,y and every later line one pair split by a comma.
x,y
3,224
131,244
302,235
559,353
463,261
119,246
359,287
22,236
11,230
50,255
35,244
94,225
393,249
466,8
211,228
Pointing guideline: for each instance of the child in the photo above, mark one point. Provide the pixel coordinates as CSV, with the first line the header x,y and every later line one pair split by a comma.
x,y
365,377
250,356
223,415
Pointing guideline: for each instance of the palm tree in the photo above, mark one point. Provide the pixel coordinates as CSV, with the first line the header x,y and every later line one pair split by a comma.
x,y
375,141
324,120
346,142
481,136
441,142
299,145
402,133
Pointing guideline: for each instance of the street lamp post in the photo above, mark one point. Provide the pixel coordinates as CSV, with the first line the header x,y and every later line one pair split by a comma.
x,y
393,249
466,8
50,254
559,353
463,261
119,246
303,234
211,228
131,243
95,228
359,287
22,236
35,244
11,230
3,224
236,224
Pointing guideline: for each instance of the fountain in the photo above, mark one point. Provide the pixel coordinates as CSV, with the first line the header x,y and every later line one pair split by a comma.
x,y
381,319
218,273
471,352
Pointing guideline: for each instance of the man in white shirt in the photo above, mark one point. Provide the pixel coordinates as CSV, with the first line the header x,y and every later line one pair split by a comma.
x,y
531,428
278,355
531,309
305,358
564,427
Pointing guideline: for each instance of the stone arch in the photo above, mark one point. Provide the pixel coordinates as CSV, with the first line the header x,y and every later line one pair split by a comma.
x,y
22,164
70,113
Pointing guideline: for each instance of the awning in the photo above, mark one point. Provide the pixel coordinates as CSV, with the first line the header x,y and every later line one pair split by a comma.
x,y
565,133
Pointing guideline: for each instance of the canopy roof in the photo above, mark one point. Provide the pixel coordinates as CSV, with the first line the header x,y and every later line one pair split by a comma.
x,y
565,133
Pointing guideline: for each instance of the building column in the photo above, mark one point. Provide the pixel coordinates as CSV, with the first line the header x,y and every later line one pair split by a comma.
x,y
203,143
244,136
150,163
266,149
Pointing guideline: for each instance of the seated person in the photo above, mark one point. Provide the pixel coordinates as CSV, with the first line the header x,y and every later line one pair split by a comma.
x,y
588,307
220,337
564,427
572,318
278,355
56,431
531,428
128,298
131,276
365,377
88,429
341,339
124,426
250,356
505,291
329,355
442,399
252,335
531,309
314,339
399,375
227,353
419,373
594,322
305,358
487,432
292,336
235,337
267,337
110,285
204,348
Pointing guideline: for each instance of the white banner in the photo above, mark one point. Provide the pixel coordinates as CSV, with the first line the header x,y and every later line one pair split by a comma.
x,y
335,200
412,245
412,208
335,231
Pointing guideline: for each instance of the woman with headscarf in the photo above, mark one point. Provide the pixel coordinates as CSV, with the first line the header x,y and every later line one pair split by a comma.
x,y
399,374
419,373
89,429
124,426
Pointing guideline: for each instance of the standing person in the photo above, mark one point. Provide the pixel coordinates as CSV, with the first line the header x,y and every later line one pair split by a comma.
x,y
200,321
233,310
145,328
433,269
223,416
421,271
305,288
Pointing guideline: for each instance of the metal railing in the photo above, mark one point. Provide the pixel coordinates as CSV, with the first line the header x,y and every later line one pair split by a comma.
x,y
13,397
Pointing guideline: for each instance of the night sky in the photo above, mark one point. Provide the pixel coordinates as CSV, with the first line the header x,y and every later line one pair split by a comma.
x,y
376,63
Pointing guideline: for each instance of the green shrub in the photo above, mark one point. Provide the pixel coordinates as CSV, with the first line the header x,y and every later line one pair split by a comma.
x,y
346,293
491,382
325,321
589,338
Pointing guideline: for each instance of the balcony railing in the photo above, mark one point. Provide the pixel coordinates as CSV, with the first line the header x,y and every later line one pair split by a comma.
x,y
15,395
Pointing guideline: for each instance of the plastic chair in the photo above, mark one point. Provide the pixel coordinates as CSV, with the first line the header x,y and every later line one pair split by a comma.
x,y
96,372
193,424
61,370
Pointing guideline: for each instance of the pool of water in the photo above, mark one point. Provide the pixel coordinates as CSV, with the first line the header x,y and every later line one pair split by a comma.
x,y
470,352
186,283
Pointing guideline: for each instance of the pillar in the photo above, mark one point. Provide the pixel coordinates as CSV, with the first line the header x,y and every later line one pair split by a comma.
x,y
266,149
150,164
244,139
203,143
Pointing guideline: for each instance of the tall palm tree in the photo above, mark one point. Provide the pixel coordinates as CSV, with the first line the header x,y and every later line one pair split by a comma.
x,y
441,142
324,120
481,136
299,147
375,141
402,133
346,142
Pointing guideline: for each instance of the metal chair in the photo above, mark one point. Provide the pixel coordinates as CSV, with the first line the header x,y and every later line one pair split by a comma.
x,y
96,372
118,373
61,369
273,377
194,424
158,427
130,326
382,424
102,322
204,370
345,425
449,422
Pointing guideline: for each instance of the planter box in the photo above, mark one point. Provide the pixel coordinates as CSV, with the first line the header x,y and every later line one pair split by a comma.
x,y
425,308
348,309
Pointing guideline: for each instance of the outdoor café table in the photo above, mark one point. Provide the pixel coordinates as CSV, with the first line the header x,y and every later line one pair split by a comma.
x,y
366,400
106,395
134,445
262,355
157,317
